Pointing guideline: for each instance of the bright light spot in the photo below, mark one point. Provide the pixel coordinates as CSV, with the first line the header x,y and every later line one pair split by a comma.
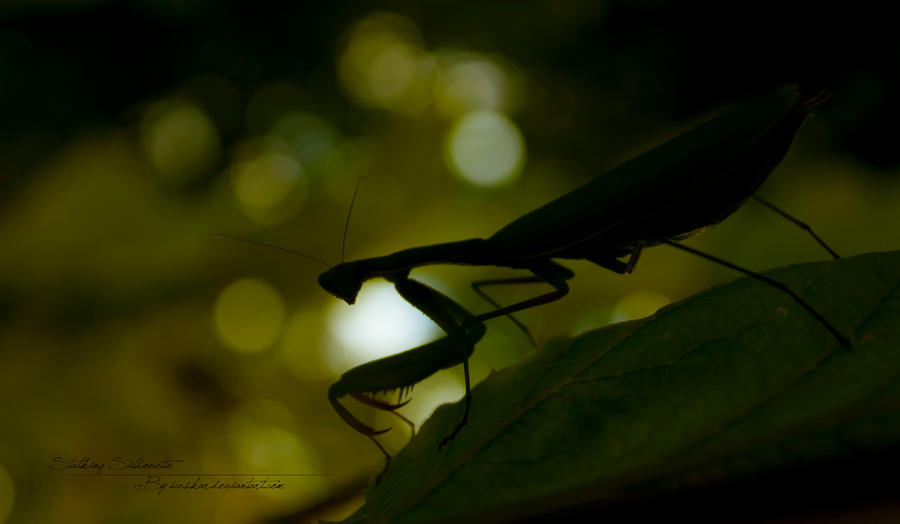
x,y
469,83
485,148
7,494
270,188
384,65
180,141
249,314
381,323
638,305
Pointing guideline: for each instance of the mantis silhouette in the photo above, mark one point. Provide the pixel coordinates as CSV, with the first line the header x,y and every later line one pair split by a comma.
x,y
661,197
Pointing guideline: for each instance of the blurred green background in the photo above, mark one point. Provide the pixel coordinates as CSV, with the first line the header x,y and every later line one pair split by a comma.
x,y
131,132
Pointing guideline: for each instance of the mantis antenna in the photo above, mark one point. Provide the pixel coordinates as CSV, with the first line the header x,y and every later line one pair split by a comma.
x,y
349,214
319,260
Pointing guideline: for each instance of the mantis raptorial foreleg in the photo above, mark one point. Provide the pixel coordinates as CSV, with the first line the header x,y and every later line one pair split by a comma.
x,y
397,371
387,406
403,370
456,321
463,330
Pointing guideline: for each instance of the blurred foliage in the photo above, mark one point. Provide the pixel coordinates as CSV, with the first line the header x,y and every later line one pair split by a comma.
x,y
130,132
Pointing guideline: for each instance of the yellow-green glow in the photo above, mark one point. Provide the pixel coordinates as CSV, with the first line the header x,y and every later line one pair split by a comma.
x,y
485,148
300,347
383,64
638,305
261,441
441,388
270,188
179,140
468,83
7,494
591,320
249,315
391,70
381,323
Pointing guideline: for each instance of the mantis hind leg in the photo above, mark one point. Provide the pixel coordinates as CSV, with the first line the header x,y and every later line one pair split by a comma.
x,y
818,316
803,225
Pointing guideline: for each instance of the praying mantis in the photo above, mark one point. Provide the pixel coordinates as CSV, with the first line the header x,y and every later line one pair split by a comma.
x,y
660,197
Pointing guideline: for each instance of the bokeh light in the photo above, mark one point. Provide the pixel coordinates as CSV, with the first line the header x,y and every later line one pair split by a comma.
x,y
270,186
638,304
381,323
179,140
485,148
470,82
263,439
383,64
249,314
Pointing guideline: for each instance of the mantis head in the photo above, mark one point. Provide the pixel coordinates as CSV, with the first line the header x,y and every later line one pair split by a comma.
x,y
343,281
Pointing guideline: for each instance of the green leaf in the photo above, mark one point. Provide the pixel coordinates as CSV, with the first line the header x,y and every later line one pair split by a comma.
x,y
735,381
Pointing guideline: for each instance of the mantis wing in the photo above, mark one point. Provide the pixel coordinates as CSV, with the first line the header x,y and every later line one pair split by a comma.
x,y
701,171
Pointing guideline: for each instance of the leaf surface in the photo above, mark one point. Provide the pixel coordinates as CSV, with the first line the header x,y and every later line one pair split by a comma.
x,y
734,381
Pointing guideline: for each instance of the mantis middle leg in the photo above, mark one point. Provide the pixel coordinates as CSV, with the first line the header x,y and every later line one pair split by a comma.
x,y
544,270
477,285
555,275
